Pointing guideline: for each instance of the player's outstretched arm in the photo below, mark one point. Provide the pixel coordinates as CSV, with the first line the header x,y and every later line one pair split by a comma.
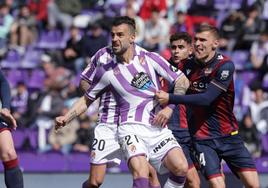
x,y
79,107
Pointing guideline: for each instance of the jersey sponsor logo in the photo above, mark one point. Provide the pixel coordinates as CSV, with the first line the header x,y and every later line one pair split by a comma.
x,y
141,81
207,71
163,143
172,68
224,74
199,86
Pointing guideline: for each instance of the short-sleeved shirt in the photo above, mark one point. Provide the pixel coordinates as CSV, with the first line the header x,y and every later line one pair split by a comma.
x,y
134,85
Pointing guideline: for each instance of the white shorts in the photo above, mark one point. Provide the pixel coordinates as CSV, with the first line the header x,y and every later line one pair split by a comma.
x,y
105,147
153,142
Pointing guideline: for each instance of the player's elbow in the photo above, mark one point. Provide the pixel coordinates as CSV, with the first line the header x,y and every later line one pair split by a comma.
x,y
84,85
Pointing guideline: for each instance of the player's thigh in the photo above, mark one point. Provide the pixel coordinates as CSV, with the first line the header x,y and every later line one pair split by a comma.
x,y
250,179
162,146
7,149
105,145
208,160
236,155
175,161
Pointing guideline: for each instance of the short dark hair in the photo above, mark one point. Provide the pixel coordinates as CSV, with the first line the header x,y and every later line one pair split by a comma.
x,y
181,36
125,20
212,29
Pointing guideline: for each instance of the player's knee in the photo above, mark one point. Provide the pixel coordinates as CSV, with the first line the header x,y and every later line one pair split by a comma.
x,y
192,183
8,154
95,183
181,169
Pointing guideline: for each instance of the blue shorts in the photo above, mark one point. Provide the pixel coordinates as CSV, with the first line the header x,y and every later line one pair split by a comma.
x,y
4,126
187,147
231,148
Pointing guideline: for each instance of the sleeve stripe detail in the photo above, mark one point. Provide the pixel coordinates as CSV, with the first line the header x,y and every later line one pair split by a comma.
x,y
219,85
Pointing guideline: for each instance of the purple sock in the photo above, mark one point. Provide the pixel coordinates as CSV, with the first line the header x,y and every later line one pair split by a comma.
x,y
141,183
178,179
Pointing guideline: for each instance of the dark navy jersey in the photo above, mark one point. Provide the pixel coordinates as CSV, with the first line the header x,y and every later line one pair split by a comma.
x,y
177,121
216,120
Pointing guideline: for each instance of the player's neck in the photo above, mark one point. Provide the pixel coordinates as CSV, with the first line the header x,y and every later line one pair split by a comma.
x,y
127,56
208,58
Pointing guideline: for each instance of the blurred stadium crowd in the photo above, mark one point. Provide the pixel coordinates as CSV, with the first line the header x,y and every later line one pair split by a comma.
x,y
45,44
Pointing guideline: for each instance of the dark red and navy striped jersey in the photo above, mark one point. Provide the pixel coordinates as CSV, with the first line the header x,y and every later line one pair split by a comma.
x,y
216,120
177,121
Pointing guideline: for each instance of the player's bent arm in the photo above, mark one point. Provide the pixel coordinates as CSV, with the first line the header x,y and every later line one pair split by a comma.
x,y
84,85
203,99
79,107
181,85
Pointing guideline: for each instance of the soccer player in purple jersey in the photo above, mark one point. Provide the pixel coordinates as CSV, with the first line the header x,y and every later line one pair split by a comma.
x,y
181,50
13,174
213,125
134,78
106,150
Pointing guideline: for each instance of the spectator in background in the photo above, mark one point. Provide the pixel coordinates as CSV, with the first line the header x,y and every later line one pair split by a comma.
x,y
85,135
23,29
50,106
259,53
94,40
39,9
252,26
60,13
55,75
156,32
131,12
19,102
72,53
229,30
250,135
148,5
259,100
6,21
62,140
183,24
202,8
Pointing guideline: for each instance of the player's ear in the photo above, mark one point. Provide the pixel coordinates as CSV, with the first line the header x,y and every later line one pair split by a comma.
x,y
215,44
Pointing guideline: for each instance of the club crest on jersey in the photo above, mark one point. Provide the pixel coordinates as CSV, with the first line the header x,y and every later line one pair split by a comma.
x,y
207,71
141,81
142,60
220,57
172,68
224,75
132,148
93,154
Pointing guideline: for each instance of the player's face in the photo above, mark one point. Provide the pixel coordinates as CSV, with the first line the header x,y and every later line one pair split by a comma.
x,y
180,50
205,45
122,38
